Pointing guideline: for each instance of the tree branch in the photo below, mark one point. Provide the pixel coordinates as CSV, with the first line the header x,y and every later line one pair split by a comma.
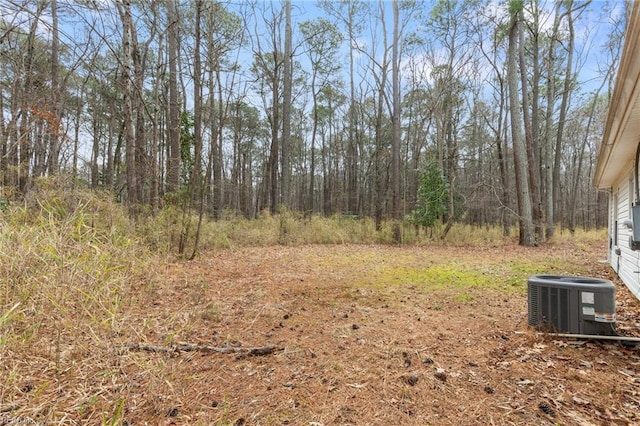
x,y
187,347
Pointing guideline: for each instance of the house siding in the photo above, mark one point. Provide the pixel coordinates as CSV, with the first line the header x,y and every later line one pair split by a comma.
x,y
627,262
617,152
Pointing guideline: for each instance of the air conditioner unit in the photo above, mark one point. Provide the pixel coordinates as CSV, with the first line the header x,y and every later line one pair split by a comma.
x,y
568,304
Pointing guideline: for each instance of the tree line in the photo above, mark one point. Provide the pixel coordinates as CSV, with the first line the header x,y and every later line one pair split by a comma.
x,y
436,112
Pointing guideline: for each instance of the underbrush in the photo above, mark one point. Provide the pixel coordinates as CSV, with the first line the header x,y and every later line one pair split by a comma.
x,y
67,256
70,255
162,232
70,264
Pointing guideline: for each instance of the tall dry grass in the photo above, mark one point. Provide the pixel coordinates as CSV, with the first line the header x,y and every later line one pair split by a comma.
x,y
70,263
161,233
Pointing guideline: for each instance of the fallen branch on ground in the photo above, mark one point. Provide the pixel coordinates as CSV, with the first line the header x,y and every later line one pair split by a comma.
x,y
187,347
9,408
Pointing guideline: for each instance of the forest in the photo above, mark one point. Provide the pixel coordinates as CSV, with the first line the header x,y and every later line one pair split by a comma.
x,y
422,112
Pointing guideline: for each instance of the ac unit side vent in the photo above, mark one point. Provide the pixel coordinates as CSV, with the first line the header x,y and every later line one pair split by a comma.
x,y
535,316
567,304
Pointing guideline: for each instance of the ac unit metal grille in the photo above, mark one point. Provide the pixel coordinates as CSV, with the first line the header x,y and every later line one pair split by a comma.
x,y
554,307
571,304
534,306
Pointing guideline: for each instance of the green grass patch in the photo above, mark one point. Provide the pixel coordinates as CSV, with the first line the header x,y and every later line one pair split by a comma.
x,y
431,272
464,298
434,277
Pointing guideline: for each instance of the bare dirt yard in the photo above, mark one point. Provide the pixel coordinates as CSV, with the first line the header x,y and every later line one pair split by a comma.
x,y
338,335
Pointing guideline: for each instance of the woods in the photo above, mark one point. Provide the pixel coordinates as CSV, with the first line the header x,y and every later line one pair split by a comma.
x,y
437,112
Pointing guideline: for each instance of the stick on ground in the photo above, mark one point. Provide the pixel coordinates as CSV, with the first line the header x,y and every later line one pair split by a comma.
x,y
187,347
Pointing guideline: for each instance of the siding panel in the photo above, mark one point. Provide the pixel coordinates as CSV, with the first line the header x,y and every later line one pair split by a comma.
x,y
627,264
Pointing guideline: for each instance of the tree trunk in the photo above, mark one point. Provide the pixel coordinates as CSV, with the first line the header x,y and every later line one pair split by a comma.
x,y
218,163
310,205
549,145
536,180
395,122
54,124
578,171
527,236
128,93
155,137
196,173
286,107
139,108
173,130
531,153
195,184
564,106
272,167
352,146
23,145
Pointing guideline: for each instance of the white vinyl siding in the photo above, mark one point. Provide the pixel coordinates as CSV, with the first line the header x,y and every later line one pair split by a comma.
x,y
627,263
613,230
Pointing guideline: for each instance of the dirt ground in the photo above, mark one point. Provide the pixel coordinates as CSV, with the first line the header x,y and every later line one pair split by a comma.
x,y
354,335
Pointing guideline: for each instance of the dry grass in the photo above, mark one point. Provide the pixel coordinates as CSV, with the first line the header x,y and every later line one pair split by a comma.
x,y
68,269
161,233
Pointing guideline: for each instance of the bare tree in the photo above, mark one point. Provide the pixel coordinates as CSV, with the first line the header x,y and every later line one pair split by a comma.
x,y
530,118
395,122
527,233
569,79
322,40
287,83
350,13
173,128
55,125
124,9
268,68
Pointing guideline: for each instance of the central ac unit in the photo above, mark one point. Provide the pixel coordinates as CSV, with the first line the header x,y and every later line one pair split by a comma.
x,y
568,304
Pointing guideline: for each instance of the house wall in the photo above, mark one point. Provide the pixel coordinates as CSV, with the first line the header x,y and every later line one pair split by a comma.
x,y
625,262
